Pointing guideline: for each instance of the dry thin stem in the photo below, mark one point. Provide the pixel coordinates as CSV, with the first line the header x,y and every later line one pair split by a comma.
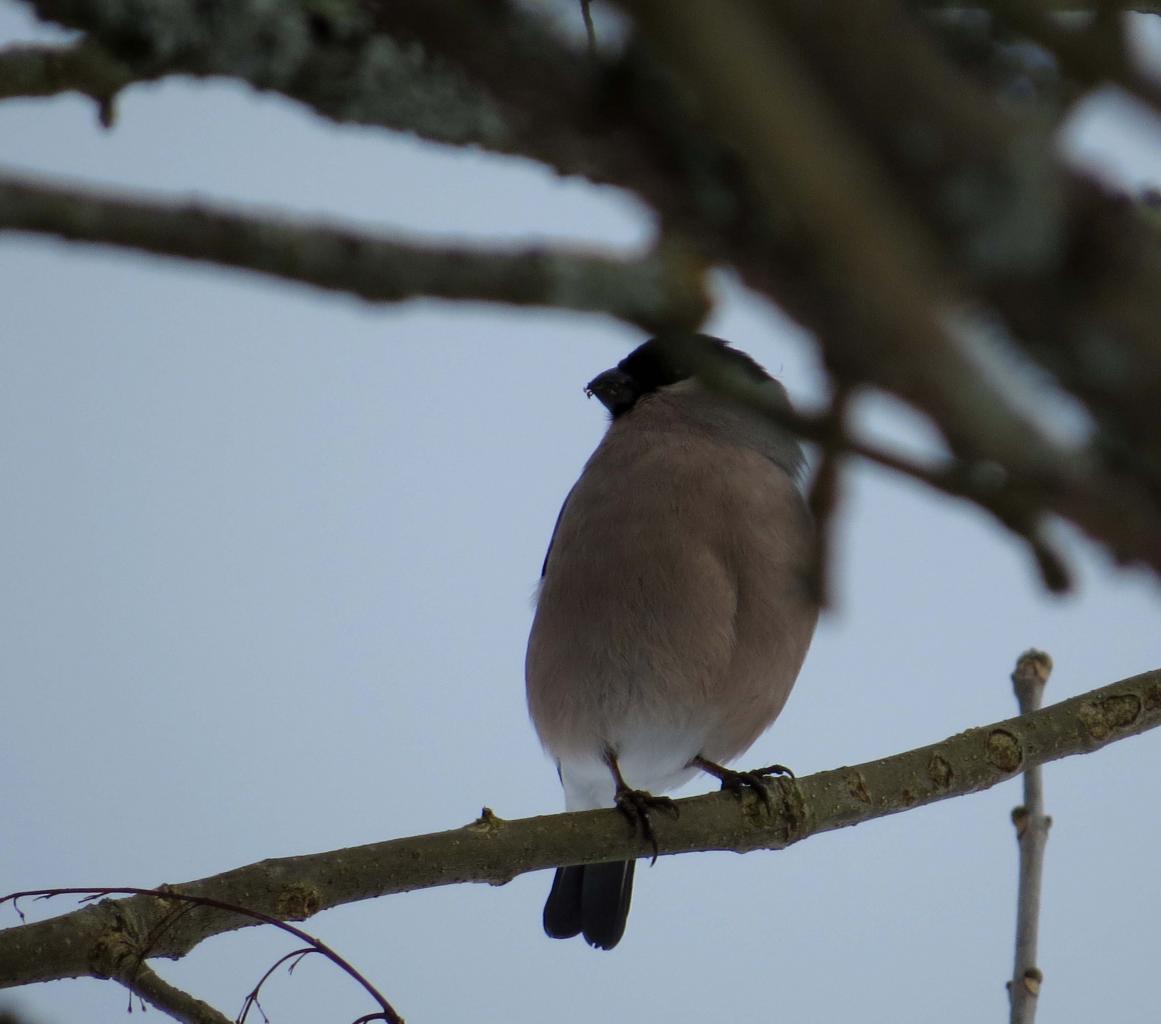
x,y
251,1002
1029,678
495,851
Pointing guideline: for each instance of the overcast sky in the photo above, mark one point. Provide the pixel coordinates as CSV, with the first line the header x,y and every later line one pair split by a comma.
x,y
266,566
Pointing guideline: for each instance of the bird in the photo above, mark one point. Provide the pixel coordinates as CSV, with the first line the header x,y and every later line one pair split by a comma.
x,y
675,605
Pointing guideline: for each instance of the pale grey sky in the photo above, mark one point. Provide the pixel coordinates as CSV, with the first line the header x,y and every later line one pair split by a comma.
x,y
266,565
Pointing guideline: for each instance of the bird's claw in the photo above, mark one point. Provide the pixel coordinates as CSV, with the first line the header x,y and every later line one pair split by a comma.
x,y
754,780
636,805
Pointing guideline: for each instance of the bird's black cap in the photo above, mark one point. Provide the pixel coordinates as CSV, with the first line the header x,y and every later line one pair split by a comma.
x,y
669,359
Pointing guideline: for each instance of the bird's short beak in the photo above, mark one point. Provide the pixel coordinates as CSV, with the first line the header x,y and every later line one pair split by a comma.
x,y
614,388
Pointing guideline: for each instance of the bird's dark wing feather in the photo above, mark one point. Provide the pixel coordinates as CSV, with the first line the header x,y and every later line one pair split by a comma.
x,y
556,526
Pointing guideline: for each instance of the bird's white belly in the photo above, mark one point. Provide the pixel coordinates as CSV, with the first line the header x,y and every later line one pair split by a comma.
x,y
651,757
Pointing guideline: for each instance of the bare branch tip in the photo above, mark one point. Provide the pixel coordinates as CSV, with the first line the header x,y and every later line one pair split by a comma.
x,y
1054,571
1032,667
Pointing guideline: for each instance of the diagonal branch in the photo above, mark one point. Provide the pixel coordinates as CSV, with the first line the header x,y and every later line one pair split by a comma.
x,y
495,851
141,980
664,287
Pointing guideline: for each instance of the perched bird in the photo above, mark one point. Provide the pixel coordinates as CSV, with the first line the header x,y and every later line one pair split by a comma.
x,y
674,609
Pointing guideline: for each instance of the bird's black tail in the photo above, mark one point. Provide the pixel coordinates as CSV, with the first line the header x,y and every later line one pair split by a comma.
x,y
592,899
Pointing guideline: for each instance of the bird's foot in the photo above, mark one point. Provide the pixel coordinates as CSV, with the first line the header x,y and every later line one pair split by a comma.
x,y
736,782
636,805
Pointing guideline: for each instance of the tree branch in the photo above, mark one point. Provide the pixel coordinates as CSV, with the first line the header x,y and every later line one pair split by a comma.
x,y
665,287
83,67
141,980
1032,824
495,851
324,55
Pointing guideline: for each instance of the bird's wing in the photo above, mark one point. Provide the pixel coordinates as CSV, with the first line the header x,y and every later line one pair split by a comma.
x,y
556,526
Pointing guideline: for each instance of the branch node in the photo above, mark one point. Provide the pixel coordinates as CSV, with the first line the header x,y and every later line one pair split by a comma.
x,y
488,821
298,901
1004,751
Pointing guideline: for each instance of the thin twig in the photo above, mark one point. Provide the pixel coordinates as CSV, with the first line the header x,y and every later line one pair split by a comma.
x,y
295,957
1032,671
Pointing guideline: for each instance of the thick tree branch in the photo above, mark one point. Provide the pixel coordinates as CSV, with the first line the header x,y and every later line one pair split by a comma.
x,y
665,287
495,851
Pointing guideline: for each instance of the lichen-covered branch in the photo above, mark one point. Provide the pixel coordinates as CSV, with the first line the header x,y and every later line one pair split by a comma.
x,y
663,287
325,55
493,850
